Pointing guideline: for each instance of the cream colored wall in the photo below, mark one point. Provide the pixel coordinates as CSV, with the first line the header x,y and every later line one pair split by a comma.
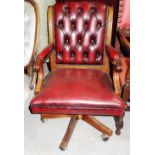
x,y
43,36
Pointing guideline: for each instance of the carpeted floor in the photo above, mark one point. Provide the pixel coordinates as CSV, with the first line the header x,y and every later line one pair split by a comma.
x,y
44,138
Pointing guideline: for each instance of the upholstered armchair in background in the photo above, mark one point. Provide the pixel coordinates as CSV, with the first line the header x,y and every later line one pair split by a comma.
x,y
123,38
31,32
79,84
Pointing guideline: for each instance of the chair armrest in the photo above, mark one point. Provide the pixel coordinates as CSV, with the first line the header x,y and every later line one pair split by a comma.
x,y
123,41
45,53
114,58
38,65
42,57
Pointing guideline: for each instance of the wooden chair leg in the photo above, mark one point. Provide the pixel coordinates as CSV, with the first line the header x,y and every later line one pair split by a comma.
x,y
119,124
96,124
69,132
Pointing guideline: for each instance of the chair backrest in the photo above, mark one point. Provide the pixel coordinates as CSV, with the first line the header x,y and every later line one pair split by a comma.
x,y
124,15
31,30
80,31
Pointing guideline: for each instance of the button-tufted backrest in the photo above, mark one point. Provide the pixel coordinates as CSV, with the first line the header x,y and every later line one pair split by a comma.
x,y
80,32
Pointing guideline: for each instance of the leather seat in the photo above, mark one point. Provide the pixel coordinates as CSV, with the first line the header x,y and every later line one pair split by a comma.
x,y
77,91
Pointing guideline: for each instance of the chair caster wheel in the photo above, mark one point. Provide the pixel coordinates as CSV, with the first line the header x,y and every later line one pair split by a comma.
x,y
42,120
105,138
118,132
63,147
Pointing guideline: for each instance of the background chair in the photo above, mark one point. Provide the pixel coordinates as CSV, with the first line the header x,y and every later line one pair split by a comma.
x,y
31,32
123,44
79,85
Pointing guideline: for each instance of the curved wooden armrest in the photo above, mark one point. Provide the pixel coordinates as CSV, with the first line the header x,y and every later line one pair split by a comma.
x,y
114,58
39,66
42,57
123,41
45,53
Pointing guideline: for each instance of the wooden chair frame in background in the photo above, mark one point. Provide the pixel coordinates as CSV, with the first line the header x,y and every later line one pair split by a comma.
x,y
123,32
27,68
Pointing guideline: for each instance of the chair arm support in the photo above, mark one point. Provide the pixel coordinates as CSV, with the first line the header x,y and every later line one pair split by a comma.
x,y
42,57
116,83
114,58
123,41
39,65
45,53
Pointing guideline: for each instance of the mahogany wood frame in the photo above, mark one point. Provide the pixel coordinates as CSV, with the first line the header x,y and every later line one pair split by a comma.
x,y
27,68
105,67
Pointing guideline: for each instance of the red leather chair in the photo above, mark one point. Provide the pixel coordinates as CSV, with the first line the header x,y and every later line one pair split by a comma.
x,y
79,85
123,35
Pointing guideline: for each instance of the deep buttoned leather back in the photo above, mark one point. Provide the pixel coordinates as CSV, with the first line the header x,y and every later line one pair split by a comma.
x,y
80,32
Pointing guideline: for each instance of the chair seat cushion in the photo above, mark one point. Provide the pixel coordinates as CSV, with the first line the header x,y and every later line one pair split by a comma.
x,y
77,91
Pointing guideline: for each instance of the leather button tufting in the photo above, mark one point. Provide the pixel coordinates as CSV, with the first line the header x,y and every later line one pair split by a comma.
x,y
85,54
99,24
80,41
66,9
92,9
92,42
73,24
60,54
98,55
79,10
86,24
80,32
60,23
66,38
93,39
72,54
67,41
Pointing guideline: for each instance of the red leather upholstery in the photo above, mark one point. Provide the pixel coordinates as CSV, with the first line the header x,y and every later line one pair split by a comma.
x,y
80,32
112,53
77,91
124,14
114,58
42,57
44,54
